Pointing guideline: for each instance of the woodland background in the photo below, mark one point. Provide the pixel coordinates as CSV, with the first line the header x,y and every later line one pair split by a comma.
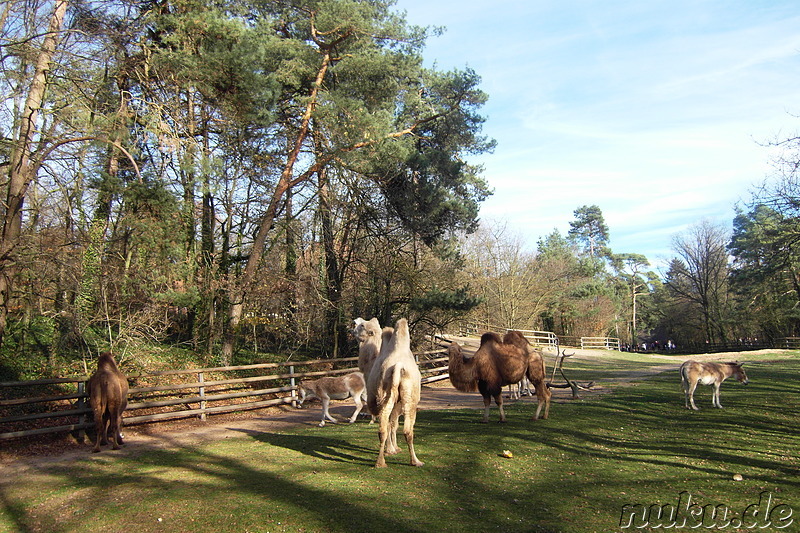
x,y
229,178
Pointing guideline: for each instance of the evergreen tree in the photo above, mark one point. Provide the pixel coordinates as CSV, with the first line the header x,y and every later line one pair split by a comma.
x,y
589,228
766,272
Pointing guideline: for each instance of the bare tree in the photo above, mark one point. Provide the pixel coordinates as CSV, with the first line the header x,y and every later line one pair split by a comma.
x,y
23,163
699,275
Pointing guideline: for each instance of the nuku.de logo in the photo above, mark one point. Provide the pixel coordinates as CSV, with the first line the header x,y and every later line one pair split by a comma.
x,y
686,514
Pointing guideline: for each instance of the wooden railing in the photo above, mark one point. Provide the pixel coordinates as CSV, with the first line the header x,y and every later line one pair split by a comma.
x,y
29,408
787,343
541,338
602,343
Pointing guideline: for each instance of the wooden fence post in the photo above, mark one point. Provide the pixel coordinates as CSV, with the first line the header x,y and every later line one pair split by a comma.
x,y
292,383
80,435
201,380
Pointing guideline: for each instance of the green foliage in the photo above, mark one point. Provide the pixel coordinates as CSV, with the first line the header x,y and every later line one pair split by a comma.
x,y
766,271
209,98
445,300
429,186
589,227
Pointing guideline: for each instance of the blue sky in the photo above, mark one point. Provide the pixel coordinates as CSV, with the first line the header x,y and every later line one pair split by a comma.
x,y
656,111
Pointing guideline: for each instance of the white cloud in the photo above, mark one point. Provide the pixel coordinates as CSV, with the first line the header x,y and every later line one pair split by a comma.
x,y
651,110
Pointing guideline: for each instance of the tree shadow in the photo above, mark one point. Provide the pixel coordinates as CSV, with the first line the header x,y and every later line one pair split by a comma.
x,y
317,446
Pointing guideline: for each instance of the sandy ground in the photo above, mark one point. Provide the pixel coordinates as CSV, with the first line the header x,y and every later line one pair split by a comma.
x,y
16,456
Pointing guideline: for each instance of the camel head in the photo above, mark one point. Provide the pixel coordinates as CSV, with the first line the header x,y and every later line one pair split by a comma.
x,y
462,370
366,330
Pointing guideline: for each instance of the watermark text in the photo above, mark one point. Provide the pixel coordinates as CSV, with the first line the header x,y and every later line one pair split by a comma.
x,y
688,514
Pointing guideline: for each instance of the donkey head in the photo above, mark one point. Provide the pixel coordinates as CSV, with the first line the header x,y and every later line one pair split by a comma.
x,y
739,373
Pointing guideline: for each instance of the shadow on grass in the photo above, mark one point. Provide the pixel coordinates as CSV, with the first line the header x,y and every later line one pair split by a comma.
x,y
241,495
320,447
572,472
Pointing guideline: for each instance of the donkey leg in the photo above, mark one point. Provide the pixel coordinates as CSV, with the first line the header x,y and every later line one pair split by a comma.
x,y
325,414
359,405
692,387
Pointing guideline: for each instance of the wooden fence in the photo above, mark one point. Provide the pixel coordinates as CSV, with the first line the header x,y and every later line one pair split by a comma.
x,y
540,338
787,343
603,343
29,408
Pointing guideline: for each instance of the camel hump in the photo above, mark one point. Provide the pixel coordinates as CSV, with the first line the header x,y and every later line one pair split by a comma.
x,y
401,333
490,336
454,350
516,338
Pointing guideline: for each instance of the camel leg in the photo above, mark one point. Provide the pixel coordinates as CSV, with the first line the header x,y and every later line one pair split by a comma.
x,y
394,421
106,423
114,440
113,428
100,427
715,397
119,431
543,395
383,436
487,402
409,418
499,401
364,401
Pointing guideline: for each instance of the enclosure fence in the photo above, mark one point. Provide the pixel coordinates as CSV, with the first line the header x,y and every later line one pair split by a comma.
x,y
60,405
603,343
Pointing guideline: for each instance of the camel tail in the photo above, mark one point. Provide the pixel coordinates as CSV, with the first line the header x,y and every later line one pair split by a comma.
x,y
388,389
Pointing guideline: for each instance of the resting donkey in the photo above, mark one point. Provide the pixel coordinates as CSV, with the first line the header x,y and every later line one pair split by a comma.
x,y
694,373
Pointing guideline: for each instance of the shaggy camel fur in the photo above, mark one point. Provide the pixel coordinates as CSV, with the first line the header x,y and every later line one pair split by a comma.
x,y
334,388
368,334
393,388
499,362
108,397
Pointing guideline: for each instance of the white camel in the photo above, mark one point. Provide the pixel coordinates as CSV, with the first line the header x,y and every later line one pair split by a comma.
x,y
393,388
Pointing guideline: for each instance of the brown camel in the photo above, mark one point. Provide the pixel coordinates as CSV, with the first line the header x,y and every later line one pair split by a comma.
x,y
499,362
108,397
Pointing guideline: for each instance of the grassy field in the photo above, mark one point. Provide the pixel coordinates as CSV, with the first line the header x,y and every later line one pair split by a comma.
x,y
596,465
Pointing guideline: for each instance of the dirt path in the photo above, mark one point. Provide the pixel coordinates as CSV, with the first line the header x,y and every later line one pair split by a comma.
x,y
16,457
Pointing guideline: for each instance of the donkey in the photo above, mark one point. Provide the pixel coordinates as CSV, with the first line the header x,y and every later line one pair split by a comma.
x,y
336,388
695,373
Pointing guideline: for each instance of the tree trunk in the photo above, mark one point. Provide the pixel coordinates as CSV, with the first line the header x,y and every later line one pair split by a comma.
x,y
22,169
333,279
240,286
